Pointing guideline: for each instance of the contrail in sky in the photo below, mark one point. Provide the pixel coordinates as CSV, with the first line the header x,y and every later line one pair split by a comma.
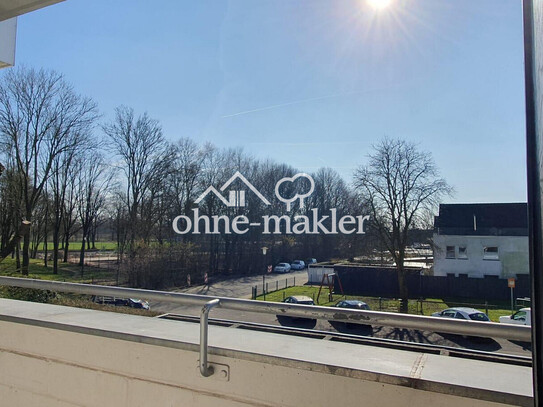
x,y
295,102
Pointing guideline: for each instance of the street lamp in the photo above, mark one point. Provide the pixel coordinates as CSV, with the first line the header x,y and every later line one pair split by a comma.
x,y
264,251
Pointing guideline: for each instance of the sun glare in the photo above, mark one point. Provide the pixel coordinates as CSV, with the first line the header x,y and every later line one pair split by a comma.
x,y
379,4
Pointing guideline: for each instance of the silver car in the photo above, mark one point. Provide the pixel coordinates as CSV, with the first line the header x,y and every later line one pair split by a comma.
x,y
297,265
463,313
282,268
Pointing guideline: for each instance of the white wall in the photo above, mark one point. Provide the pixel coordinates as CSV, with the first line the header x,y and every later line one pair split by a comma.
x,y
315,273
513,256
53,356
8,31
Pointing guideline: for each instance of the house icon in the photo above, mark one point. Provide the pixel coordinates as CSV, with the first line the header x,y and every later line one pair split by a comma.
x,y
235,198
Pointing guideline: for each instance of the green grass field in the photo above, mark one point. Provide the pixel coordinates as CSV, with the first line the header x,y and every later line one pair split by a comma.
x,y
431,305
67,272
76,246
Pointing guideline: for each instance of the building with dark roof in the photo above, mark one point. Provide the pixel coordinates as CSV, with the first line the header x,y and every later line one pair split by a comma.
x,y
481,240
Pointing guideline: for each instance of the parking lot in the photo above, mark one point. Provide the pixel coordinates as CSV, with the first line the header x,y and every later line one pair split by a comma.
x,y
241,288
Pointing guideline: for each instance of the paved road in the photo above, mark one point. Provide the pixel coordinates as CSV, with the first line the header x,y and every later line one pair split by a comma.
x,y
241,288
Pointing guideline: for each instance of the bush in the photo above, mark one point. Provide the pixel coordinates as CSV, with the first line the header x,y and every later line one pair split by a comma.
x,y
157,267
28,294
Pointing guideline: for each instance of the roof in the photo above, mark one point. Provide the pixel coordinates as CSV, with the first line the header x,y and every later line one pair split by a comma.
x,y
301,297
354,302
482,219
467,310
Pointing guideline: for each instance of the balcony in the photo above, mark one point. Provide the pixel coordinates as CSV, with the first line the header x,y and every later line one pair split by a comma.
x,y
61,356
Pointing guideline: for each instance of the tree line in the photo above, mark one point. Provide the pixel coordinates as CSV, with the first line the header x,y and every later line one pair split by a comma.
x,y
69,173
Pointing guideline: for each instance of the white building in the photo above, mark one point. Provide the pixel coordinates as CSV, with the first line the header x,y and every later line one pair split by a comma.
x,y
478,240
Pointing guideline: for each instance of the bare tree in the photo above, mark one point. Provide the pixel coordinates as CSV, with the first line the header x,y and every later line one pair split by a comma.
x,y
40,118
145,157
187,168
400,184
93,183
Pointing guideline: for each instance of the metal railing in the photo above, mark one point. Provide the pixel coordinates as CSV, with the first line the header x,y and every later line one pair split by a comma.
x,y
377,318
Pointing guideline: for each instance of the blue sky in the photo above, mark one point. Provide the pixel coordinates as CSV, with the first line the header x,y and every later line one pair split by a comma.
x,y
308,82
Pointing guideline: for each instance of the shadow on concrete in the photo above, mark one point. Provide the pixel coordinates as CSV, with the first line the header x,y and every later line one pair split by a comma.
x,y
304,323
401,334
352,328
473,342
524,345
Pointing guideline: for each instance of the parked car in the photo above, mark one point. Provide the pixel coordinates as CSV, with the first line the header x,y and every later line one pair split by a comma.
x,y
353,304
297,265
282,268
310,262
463,313
300,300
136,303
126,302
521,317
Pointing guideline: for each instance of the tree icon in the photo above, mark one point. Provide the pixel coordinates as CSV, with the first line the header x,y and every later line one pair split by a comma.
x,y
296,196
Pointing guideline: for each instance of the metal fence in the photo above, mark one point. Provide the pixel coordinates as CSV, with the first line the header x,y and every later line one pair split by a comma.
x,y
103,260
377,318
268,287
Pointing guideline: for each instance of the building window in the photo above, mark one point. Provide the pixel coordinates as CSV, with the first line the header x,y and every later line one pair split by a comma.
x,y
462,252
450,252
490,253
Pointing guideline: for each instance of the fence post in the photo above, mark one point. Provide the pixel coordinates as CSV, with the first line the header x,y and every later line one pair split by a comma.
x,y
276,285
286,282
267,291
486,307
294,285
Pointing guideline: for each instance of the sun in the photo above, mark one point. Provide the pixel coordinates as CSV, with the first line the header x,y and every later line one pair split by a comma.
x,y
379,4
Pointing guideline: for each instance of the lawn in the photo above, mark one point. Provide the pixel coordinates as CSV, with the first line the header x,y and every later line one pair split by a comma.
x,y
76,246
67,272
429,306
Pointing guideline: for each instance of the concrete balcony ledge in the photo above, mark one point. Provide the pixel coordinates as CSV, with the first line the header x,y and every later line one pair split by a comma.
x,y
62,356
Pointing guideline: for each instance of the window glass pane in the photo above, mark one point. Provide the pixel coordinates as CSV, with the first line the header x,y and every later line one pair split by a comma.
x,y
270,136
490,253
520,315
479,316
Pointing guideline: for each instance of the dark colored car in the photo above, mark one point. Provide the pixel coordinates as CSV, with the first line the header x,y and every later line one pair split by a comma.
x,y
311,261
300,300
353,304
126,302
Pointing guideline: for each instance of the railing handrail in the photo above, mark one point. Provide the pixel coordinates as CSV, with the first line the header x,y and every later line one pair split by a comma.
x,y
377,318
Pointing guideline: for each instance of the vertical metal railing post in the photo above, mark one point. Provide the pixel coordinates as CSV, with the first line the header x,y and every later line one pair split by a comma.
x,y
205,370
